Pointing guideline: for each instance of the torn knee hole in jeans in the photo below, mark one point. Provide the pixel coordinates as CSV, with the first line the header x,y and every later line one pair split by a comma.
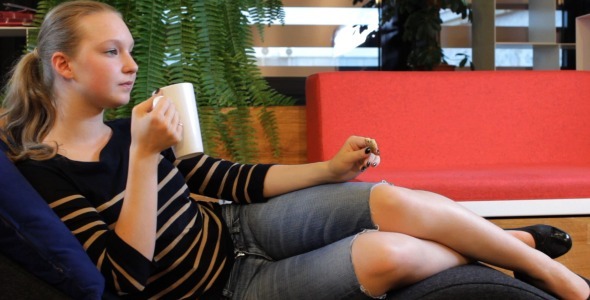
x,y
374,229
362,288
384,296
370,209
362,232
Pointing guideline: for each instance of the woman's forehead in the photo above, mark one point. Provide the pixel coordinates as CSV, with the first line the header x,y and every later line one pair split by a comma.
x,y
104,26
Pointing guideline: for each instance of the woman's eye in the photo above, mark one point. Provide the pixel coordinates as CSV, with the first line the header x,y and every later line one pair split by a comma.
x,y
112,52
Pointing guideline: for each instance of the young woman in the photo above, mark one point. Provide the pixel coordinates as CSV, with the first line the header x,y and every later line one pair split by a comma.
x,y
134,208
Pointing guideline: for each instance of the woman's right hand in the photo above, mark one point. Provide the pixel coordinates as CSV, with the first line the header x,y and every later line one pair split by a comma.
x,y
154,128
155,125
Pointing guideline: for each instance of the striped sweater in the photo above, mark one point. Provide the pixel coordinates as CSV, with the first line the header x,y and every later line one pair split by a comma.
x,y
194,252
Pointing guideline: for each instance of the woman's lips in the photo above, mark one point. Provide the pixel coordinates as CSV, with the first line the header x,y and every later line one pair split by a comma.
x,y
128,84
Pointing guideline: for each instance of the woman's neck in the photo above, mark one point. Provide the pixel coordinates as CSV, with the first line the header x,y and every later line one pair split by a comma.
x,y
79,132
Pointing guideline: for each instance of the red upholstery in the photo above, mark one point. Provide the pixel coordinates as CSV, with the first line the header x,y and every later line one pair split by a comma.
x,y
485,135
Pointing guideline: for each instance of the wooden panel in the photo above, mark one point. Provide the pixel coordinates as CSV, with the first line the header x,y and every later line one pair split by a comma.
x,y
295,36
512,34
293,142
455,37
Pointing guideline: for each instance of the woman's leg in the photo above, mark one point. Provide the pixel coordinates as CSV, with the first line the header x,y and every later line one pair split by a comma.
x,y
386,260
430,216
370,263
292,240
305,220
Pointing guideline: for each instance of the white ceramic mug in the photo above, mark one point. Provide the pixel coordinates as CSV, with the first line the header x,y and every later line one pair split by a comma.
x,y
182,96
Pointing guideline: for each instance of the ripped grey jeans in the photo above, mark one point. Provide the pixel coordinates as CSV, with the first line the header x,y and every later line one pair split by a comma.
x,y
298,245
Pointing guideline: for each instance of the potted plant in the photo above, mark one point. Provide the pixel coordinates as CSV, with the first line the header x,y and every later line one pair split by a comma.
x,y
207,43
420,24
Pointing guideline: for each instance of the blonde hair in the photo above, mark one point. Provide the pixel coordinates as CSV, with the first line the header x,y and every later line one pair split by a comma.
x,y
29,107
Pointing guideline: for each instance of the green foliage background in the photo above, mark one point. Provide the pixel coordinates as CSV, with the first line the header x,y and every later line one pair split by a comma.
x,y
208,43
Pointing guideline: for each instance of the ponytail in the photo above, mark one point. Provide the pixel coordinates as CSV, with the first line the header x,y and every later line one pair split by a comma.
x,y
29,112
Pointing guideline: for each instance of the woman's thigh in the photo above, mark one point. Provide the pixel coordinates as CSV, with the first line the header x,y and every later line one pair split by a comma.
x,y
305,220
324,273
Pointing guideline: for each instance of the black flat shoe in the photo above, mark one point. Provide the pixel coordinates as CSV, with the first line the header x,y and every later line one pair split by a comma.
x,y
550,240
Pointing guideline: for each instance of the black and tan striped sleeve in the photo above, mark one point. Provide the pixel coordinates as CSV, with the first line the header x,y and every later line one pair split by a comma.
x,y
221,179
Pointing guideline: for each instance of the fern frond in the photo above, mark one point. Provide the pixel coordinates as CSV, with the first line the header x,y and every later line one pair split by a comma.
x,y
264,12
242,134
268,121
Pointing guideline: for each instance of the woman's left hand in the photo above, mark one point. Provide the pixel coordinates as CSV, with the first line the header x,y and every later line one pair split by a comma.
x,y
354,157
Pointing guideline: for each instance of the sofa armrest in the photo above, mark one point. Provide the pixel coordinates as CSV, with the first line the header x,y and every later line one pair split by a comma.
x,y
17,283
470,282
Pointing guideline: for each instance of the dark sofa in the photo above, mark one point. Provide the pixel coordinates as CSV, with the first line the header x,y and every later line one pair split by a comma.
x,y
41,259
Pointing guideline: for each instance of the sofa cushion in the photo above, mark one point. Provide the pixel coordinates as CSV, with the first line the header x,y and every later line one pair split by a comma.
x,y
470,282
18,283
35,238
493,183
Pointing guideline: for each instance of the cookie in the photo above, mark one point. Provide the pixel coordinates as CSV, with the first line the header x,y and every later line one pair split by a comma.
x,y
372,144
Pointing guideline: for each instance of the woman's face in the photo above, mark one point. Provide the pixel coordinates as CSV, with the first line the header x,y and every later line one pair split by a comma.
x,y
103,69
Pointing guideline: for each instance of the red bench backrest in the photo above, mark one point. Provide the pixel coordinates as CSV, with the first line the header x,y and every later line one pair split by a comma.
x,y
432,120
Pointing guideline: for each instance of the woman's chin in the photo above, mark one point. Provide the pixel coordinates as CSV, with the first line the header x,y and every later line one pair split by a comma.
x,y
119,103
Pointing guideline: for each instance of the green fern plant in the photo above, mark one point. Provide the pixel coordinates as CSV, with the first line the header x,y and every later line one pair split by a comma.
x,y
208,43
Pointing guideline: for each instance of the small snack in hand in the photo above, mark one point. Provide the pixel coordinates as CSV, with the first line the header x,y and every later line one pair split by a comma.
x,y
372,144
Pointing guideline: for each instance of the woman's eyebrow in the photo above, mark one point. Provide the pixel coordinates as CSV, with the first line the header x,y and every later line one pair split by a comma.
x,y
117,42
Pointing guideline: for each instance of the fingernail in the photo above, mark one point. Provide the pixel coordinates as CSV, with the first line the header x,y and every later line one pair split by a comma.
x,y
368,164
374,164
156,100
156,91
367,150
363,168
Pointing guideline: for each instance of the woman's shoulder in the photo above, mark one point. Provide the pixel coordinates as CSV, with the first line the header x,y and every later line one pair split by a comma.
x,y
44,169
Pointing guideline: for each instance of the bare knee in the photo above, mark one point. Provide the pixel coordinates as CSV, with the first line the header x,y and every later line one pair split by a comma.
x,y
382,261
386,197
397,206
391,205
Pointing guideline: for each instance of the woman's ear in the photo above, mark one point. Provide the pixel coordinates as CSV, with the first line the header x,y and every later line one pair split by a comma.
x,y
61,64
